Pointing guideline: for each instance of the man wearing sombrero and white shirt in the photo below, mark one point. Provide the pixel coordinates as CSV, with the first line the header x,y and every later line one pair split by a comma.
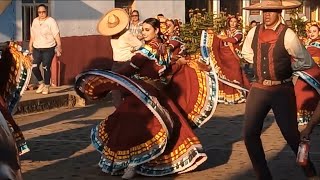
x,y
115,24
275,52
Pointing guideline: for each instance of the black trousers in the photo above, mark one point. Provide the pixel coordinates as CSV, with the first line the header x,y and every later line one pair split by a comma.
x,y
281,99
44,56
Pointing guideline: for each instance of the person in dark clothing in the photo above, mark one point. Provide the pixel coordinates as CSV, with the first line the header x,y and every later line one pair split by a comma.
x,y
275,51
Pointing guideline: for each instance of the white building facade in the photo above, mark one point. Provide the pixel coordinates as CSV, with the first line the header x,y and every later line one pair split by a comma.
x,y
76,17
84,48
79,17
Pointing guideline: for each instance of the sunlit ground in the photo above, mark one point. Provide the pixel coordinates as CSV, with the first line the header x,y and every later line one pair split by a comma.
x,y
60,146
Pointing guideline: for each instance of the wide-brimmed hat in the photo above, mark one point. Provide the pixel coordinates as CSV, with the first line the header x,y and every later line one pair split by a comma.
x,y
113,22
4,5
274,4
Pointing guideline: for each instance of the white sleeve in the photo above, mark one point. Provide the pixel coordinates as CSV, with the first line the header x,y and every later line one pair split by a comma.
x,y
247,51
301,58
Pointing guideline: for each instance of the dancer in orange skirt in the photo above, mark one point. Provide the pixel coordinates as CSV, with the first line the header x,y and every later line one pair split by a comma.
x,y
227,64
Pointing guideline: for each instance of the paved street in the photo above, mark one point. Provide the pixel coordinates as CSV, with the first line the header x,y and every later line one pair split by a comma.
x,y
60,146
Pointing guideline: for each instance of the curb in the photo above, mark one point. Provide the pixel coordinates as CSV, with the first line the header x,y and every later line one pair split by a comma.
x,y
45,104
61,97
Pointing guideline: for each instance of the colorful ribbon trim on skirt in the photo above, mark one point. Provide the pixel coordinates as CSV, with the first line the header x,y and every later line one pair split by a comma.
x,y
313,83
207,98
151,103
20,75
309,79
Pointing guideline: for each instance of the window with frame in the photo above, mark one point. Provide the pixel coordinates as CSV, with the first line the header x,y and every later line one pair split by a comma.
x,y
29,12
124,4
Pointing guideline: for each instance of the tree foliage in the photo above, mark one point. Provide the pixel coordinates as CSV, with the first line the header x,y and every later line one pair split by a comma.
x,y
200,20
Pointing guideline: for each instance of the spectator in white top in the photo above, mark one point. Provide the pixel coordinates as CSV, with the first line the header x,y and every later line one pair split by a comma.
x,y
135,26
114,23
44,41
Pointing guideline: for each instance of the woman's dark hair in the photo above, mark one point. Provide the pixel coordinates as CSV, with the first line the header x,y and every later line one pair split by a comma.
x,y
229,19
175,22
6,62
43,5
155,23
253,21
136,12
314,25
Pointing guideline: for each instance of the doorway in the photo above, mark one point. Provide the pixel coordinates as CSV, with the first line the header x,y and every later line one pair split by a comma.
x,y
192,4
231,6
314,10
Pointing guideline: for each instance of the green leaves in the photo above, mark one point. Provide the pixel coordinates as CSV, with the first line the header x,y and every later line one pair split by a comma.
x,y
298,24
200,20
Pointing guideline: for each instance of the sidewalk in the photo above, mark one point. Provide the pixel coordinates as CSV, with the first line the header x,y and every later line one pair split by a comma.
x,y
62,96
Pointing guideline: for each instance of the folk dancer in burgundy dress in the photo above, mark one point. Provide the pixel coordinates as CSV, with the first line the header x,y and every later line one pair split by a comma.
x,y
307,86
313,42
227,64
180,74
150,133
15,75
15,70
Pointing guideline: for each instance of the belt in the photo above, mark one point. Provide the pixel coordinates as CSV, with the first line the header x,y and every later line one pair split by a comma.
x,y
274,83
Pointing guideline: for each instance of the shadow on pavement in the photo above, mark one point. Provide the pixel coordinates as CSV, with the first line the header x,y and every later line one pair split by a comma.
x,y
218,136
70,115
58,145
83,167
283,165
67,154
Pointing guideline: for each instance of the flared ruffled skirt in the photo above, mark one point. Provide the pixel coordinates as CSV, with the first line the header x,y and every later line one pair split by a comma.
x,y
147,130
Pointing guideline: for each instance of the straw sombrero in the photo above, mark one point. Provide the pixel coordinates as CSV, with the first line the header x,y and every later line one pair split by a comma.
x,y
274,4
113,22
4,5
